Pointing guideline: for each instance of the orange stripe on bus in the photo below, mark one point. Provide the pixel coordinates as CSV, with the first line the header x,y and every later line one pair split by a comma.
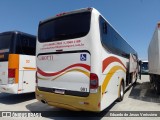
x,y
13,63
29,68
109,60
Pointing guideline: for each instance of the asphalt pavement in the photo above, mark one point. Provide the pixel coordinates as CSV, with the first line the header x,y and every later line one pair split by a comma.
x,y
139,98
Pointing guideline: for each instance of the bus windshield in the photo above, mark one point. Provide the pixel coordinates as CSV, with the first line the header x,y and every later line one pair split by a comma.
x,y
65,27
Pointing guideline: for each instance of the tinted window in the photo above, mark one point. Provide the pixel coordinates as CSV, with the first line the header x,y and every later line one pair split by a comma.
x,y
25,45
144,65
106,37
113,42
5,42
144,68
65,27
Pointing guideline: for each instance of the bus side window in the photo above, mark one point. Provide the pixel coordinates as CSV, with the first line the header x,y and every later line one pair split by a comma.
x,y
112,41
105,27
25,45
105,34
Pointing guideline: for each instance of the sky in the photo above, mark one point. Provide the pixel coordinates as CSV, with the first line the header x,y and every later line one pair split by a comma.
x,y
135,20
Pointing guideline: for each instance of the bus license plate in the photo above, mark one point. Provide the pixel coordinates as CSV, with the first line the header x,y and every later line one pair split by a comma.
x,y
59,91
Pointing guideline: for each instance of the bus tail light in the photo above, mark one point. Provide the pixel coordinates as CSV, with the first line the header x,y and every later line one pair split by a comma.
x,y
11,76
93,83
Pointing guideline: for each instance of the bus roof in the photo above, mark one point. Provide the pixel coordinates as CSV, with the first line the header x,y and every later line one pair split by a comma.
x,y
17,32
67,13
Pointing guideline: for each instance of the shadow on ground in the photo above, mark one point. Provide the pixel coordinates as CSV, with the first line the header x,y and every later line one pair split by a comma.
x,y
6,98
59,114
145,92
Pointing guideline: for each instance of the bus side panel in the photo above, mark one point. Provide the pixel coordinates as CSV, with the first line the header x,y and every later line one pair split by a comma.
x,y
113,71
20,82
110,93
27,68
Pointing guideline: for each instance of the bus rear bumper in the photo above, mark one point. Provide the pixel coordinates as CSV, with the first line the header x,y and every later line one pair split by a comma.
x,y
9,88
75,103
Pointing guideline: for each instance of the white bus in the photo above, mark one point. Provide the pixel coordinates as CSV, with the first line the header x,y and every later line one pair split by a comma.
x,y
82,62
17,62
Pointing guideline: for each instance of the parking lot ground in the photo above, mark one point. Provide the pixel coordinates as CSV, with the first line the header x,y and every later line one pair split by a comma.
x,y
140,97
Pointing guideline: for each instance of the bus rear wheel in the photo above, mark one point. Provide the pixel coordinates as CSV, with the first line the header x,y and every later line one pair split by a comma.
x,y
121,93
156,86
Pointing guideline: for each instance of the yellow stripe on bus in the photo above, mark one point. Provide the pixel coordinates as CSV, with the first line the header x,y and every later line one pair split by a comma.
x,y
78,70
109,75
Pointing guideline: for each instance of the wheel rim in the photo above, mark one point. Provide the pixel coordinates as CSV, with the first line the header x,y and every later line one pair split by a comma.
x,y
156,87
121,91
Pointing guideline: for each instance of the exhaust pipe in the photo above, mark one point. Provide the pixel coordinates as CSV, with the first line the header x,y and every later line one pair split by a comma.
x,y
43,101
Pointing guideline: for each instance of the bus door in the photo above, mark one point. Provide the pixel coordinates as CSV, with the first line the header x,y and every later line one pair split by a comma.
x,y
27,67
28,81
133,65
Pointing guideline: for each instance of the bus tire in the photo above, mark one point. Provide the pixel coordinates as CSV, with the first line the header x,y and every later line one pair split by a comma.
x,y
135,82
157,86
121,92
151,79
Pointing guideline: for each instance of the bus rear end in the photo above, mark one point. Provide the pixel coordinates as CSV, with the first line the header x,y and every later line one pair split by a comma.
x,y
7,72
64,77
17,62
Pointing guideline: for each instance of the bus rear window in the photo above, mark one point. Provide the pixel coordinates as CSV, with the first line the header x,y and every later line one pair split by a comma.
x,y
65,27
5,41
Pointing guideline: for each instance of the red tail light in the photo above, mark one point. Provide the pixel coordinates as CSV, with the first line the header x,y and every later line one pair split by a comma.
x,y
11,76
11,73
93,82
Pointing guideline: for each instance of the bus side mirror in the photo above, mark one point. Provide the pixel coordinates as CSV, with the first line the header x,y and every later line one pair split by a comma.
x,y
105,27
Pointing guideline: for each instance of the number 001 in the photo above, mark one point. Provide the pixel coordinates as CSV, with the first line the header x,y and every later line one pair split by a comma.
x,y
83,89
